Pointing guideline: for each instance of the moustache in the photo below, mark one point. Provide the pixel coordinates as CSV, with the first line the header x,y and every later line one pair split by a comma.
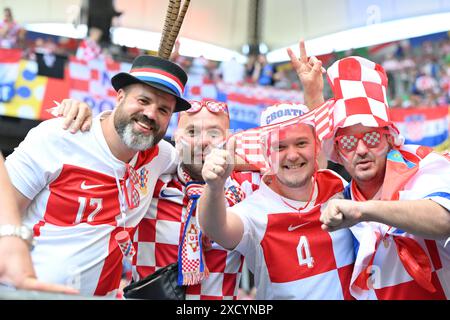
x,y
358,159
147,121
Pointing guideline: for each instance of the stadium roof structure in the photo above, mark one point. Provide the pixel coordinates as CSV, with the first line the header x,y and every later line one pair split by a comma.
x,y
213,25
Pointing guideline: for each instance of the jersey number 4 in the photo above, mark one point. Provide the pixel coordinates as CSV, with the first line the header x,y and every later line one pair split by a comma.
x,y
304,253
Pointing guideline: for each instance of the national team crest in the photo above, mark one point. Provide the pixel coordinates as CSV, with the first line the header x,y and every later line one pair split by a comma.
x,y
192,238
415,125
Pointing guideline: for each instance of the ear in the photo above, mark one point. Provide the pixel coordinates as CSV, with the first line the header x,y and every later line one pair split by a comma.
x,y
391,141
121,94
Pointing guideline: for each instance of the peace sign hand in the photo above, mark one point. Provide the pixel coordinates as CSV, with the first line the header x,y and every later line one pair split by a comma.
x,y
309,72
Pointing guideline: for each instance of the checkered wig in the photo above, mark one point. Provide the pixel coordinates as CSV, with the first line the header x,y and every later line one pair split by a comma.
x,y
359,88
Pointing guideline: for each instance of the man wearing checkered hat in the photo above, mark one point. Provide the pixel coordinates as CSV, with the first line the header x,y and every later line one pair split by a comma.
x,y
398,201
77,192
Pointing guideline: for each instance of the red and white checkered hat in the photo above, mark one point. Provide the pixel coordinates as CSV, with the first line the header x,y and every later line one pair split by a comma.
x,y
359,87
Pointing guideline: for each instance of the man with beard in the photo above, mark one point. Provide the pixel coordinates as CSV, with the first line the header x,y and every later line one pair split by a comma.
x,y
83,195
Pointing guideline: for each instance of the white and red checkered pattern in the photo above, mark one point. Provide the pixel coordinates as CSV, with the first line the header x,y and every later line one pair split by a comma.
x,y
92,80
249,144
193,267
159,234
212,105
130,185
359,87
88,50
349,142
125,244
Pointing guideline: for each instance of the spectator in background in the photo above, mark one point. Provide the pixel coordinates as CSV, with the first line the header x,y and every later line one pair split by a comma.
x,y
263,72
250,68
10,30
281,79
199,67
231,71
90,49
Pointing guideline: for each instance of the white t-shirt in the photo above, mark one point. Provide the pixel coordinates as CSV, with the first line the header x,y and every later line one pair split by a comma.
x,y
73,181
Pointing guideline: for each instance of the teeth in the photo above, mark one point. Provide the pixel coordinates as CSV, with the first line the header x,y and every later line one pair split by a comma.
x,y
143,125
294,167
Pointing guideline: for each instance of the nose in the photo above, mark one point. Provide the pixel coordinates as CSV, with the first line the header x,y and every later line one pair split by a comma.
x,y
361,148
150,111
292,153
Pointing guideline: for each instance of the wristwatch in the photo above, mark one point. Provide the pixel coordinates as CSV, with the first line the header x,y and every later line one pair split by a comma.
x,y
22,232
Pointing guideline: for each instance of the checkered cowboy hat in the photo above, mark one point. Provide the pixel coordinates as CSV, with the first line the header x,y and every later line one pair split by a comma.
x,y
359,87
158,73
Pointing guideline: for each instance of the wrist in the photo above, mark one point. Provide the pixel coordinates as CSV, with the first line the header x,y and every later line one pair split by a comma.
x,y
17,231
366,210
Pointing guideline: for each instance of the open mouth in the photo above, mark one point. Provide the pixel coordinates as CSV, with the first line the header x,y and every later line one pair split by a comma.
x,y
145,127
294,166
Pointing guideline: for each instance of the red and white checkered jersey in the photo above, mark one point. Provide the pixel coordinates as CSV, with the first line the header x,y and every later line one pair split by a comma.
x,y
88,50
289,254
248,180
75,208
158,236
389,276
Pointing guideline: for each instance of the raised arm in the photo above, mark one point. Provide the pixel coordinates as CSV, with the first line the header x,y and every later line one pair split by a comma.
x,y
216,221
309,72
424,218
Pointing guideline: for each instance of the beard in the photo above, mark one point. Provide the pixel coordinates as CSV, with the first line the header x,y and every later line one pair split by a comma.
x,y
294,182
138,141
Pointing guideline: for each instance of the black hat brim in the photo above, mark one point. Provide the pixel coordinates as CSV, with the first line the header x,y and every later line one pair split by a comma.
x,y
123,79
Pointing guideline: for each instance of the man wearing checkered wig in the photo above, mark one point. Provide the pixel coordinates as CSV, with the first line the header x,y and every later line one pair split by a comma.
x,y
398,201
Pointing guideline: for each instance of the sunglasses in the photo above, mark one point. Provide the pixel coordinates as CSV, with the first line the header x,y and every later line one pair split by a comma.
x,y
212,106
371,139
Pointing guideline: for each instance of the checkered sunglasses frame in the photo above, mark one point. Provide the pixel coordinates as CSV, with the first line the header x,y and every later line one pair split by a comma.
x,y
371,139
212,106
